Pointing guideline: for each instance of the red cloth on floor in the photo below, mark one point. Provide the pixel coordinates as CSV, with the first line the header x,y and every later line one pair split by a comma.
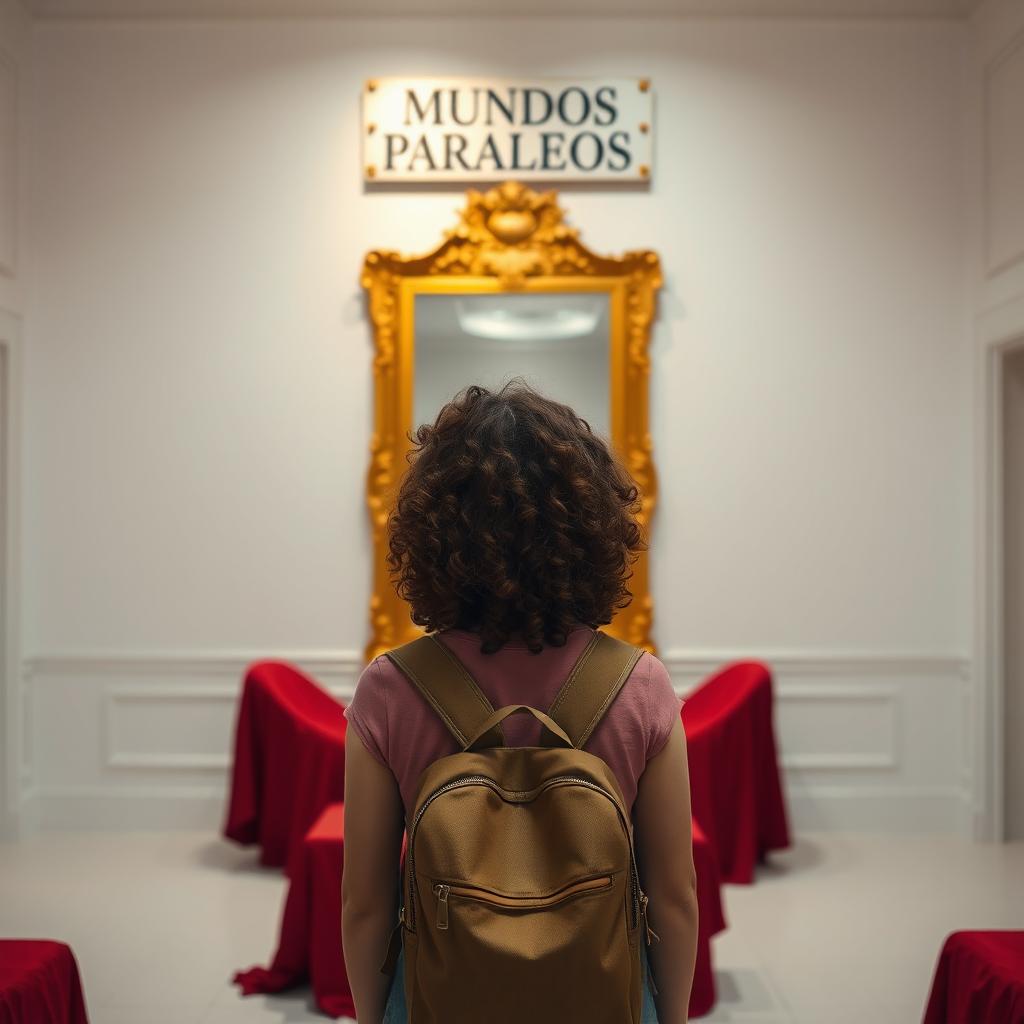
x,y
39,983
289,760
979,977
310,941
735,788
711,922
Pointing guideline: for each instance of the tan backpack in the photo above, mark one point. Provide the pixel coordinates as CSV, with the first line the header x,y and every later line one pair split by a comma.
x,y
521,899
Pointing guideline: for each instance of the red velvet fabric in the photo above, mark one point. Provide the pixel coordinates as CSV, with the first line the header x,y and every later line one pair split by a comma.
x,y
310,941
711,921
39,983
289,759
979,977
735,788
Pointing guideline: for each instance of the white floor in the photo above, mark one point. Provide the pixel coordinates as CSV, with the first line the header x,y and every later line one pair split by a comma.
x,y
841,929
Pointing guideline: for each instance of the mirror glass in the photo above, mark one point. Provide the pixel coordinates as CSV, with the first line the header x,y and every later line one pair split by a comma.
x,y
557,341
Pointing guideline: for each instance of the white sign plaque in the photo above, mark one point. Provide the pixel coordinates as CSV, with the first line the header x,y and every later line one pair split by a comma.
x,y
468,129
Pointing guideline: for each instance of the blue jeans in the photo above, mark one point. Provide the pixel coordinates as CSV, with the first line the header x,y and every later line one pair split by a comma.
x,y
396,1013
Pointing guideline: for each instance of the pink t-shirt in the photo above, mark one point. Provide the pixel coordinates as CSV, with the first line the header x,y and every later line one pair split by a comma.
x,y
404,733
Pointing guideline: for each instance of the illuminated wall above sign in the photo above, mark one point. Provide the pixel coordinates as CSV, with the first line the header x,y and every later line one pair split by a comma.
x,y
468,129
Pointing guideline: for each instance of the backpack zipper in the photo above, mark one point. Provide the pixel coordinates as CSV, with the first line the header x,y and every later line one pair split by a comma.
x,y
472,892
483,780
442,905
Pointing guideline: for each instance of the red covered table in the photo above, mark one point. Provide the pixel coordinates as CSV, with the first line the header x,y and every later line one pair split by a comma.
x,y
979,977
310,942
289,759
39,983
735,787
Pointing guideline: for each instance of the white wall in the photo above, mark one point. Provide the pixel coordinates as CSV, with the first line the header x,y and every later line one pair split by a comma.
x,y
996,146
15,65
15,51
994,116
198,394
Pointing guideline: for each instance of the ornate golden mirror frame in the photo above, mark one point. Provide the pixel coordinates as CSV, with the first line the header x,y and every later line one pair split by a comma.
x,y
510,238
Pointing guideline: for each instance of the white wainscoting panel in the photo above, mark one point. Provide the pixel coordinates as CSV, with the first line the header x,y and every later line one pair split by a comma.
x,y
839,726
124,740
167,727
871,742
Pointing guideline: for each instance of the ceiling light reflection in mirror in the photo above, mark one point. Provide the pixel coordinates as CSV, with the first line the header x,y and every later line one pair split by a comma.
x,y
558,342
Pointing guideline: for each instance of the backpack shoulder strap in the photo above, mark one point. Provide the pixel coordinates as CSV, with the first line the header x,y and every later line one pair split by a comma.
x,y
446,685
594,682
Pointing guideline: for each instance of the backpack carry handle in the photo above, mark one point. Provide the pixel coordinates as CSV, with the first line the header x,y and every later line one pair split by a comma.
x,y
551,727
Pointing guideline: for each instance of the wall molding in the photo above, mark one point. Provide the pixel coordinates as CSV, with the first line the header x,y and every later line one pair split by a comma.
x,y
197,662
792,662
150,747
111,808
797,663
164,693
893,809
886,696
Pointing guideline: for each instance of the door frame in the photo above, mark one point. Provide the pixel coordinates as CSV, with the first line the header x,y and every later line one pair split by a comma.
x,y
13,720
1000,332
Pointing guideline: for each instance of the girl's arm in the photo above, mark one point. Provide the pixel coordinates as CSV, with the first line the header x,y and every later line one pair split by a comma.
x,y
374,823
664,848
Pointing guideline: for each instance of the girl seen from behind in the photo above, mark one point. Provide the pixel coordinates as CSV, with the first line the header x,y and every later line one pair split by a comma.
x,y
511,540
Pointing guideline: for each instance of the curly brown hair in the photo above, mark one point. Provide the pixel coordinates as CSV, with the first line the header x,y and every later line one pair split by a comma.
x,y
514,517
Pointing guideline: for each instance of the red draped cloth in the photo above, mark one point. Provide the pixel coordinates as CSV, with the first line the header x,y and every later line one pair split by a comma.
x,y
39,983
289,759
979,977
310,942
711,921
735,788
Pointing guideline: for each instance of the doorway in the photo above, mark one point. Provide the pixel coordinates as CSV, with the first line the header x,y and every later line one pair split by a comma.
x,y
1013,591
11,706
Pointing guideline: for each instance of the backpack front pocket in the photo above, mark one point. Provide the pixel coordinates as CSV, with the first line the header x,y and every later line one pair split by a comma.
x,y
445,891
562,955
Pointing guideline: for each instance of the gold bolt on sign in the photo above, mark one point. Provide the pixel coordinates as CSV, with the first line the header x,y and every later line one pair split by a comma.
x,y
645,84
371,85
644,127
371,128
645,171
371,171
